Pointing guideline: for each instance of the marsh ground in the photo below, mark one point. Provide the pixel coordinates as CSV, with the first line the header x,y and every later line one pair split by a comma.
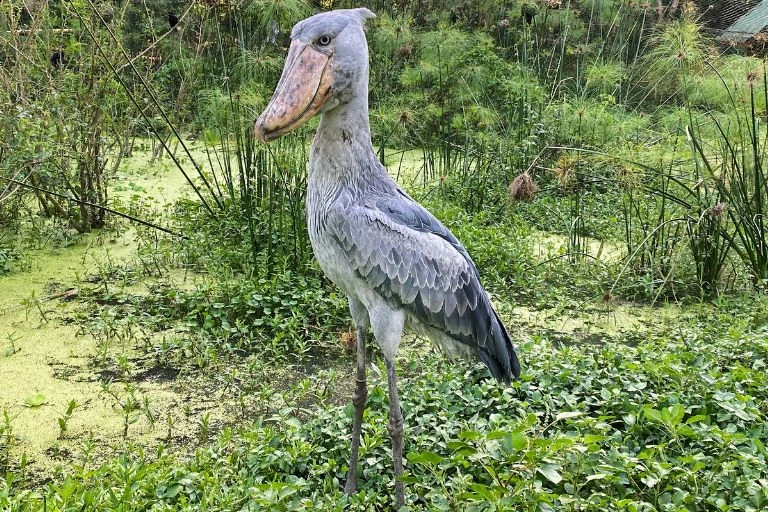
x,y
123,390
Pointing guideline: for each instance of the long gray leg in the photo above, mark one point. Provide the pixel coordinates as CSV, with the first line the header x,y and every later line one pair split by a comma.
x,y
358,400
395,427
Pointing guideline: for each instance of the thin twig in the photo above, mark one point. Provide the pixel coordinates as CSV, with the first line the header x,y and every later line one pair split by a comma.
x,y
7,193
93,205
151,93
35,31
141,111
148,48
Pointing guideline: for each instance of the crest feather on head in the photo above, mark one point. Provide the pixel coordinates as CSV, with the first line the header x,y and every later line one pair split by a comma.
x,y
363,14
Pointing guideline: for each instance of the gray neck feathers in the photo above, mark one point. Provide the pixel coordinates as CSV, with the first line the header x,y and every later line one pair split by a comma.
x,y
342,154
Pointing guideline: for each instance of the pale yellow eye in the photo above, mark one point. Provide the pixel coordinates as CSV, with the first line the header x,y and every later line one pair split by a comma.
x,y
324,40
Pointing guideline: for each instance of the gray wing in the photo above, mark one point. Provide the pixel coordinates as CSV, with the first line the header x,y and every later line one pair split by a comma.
x,y
403,252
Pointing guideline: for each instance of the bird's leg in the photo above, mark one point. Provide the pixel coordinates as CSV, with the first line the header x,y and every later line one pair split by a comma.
x,y
358,400
395,427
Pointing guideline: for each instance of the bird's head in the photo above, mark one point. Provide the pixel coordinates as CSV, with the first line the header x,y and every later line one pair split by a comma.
x,y
326,66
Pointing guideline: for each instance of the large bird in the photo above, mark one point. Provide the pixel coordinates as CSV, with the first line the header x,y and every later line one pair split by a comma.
x,y
398,265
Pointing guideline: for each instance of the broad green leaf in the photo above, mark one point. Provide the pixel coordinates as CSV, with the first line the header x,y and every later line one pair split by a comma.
x,y
429,458
673,415
699,418
757,443
495,434
652,414
530,420
293,421
519,440
172,490
550,471
484,491
565,415
35,400
460,448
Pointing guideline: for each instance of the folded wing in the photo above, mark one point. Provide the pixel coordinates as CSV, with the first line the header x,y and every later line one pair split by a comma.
x,y
404,253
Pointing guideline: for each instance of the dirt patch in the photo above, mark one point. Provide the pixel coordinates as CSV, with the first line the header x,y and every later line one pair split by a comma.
x,y
158,374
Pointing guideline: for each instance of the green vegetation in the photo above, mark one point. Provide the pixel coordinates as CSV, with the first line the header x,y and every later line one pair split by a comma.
x,y
647,422
603,163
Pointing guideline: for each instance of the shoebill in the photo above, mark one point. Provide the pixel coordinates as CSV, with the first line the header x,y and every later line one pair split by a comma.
x,y
400,267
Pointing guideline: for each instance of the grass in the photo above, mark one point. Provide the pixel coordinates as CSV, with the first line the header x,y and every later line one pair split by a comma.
x,y
221,392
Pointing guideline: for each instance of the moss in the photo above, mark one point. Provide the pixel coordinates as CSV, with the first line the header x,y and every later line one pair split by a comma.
x,y
46,357
42,354
158,182
609,320
550,245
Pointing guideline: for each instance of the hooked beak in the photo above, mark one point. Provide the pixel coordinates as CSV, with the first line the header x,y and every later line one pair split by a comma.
x,y
304,87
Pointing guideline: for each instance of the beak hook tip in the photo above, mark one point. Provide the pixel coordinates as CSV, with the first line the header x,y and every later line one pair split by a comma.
x,y
258,131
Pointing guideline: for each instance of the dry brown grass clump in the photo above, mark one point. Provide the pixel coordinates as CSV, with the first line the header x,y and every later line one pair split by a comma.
x,y
348,340
522,188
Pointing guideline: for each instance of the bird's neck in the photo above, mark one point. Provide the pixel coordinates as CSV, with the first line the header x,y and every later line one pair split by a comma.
x,y
342,151
348,121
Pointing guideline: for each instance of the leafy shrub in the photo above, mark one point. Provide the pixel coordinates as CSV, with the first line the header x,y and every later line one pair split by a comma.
x,y
595,123
604,77
736,169
679,50
287,314
7,256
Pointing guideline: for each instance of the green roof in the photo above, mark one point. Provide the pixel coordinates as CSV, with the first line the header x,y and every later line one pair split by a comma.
x,y
748,25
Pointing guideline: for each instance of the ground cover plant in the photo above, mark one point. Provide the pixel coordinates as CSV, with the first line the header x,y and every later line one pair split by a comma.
x,y
602,161
666,422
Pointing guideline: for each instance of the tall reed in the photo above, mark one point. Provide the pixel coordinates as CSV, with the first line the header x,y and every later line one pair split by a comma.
x,y
736,165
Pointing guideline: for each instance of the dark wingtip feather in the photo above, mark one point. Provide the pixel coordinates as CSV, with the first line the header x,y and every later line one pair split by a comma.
x,y
499,353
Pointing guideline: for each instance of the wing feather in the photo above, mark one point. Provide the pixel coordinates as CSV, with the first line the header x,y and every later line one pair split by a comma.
x,y
413,261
